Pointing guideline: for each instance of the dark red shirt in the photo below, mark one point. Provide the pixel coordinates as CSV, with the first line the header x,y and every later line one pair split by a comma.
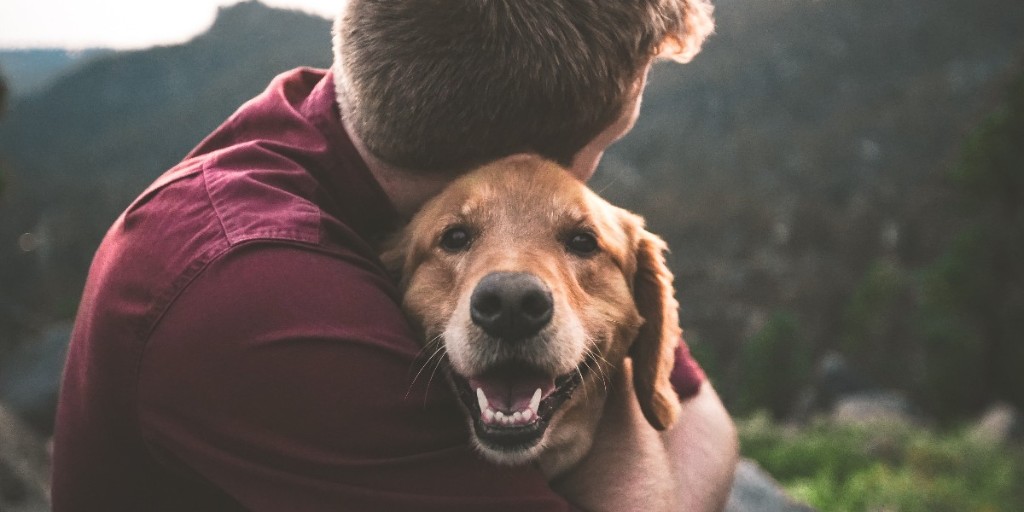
x,y
240,347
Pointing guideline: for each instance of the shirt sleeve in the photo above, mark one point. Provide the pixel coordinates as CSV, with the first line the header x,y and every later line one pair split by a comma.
x,y
687,375
289,379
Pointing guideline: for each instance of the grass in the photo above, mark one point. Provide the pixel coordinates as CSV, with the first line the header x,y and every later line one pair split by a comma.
x,y
890,468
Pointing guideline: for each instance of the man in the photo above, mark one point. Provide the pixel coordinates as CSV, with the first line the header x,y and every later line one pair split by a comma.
x,y
239,345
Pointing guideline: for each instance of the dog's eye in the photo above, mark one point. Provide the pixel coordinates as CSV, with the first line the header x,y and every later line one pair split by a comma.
x,y
455,239
582,243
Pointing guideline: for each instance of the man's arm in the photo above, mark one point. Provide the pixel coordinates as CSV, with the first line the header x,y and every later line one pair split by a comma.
x,y
704,446
283,378
634,467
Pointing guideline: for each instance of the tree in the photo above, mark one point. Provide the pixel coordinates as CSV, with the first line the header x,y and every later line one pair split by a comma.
x,y
972,310
775,364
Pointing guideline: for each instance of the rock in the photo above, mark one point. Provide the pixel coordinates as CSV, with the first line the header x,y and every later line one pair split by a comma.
x,y
1000,424
834,378
874,408
754,490
24,466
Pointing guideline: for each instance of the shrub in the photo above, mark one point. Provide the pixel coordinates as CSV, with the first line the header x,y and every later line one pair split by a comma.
x,y
773,366
899,468
875,330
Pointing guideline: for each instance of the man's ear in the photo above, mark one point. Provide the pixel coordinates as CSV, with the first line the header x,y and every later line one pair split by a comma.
x,y
653,351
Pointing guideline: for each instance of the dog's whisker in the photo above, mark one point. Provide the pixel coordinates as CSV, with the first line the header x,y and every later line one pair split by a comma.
x,y
432,373
601,359
586,394
608,185
602,365
438,351
597,373
427,346
600,371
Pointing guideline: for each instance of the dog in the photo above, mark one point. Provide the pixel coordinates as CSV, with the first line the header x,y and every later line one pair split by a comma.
x,y
540,300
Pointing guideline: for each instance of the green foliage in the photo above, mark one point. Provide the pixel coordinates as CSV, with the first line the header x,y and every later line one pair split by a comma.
x,y
892,468
774,364
950,329
954,345
708,358
991,170
972,297
874,318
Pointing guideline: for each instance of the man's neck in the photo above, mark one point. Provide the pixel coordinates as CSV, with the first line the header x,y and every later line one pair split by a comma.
x,y
407,189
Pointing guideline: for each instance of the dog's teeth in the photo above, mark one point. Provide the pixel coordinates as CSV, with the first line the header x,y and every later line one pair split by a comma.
x,y
499,416
481,398
517,417
527,415
535,401
488,416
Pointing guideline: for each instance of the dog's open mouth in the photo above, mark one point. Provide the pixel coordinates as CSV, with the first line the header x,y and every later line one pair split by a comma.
x,y
512,403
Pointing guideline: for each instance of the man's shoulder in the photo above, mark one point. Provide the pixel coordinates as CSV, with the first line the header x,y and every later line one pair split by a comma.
x,y
202,208
262,289
255,193
280,171
205,209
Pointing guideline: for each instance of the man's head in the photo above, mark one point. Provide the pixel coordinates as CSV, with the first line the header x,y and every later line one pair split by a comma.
x,y
446,85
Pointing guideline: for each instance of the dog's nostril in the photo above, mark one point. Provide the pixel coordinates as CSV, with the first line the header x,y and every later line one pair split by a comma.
x,y
487,304
511,306
536,304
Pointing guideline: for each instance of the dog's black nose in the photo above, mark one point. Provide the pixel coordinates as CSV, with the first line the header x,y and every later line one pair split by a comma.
x,y
511,305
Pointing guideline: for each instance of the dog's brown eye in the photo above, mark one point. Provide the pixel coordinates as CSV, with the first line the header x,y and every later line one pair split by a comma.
x,y
455,239
582,243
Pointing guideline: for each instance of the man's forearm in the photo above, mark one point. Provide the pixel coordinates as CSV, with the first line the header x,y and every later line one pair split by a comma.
x,y
704,447
633,467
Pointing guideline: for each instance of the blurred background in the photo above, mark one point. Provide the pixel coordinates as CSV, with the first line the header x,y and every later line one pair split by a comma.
x,y
841,183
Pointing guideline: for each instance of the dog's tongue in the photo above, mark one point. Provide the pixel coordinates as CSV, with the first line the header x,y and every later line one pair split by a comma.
x,y
511,388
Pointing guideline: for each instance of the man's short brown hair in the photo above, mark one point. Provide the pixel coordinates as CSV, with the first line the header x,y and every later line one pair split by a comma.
x,y
444,85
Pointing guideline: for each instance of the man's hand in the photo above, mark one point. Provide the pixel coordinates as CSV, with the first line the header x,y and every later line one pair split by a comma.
x,y
634,467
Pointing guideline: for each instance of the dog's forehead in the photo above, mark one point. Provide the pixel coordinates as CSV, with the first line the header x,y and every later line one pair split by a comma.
x,y
541,192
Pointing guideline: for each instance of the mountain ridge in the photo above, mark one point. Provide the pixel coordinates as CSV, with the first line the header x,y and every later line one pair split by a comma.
x,y
806,143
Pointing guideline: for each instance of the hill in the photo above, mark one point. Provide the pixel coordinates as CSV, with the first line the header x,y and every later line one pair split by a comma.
x,y
79,150
807,143
29,70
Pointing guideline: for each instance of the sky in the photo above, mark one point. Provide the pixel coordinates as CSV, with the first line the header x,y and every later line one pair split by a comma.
x,y
121,24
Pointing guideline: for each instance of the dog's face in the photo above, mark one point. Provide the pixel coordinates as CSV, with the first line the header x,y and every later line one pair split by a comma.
x,y
535,290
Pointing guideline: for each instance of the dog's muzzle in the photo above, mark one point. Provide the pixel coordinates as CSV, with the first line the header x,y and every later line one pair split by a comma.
x,y
512,400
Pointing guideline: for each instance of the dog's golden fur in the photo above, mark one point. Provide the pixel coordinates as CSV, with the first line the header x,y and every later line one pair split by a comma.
x,y
611,306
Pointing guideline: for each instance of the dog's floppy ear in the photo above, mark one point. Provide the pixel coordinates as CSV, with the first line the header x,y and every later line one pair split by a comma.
x,y
393,254
653,351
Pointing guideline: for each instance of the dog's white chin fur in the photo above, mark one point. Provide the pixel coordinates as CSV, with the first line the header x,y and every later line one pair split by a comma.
x,y
508,458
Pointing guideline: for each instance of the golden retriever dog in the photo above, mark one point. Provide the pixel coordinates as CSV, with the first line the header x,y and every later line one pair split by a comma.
x,y
541,301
